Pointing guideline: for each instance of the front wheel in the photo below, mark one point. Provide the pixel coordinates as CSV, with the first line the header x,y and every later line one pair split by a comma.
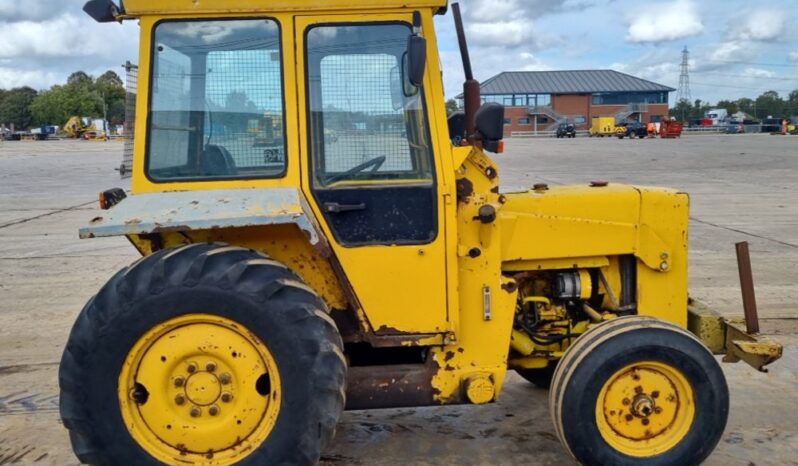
x,y
638,391
206,354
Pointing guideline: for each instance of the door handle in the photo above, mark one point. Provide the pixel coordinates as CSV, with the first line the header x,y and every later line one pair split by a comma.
x,y
336,208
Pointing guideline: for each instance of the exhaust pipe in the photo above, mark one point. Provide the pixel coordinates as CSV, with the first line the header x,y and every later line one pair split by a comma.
x,y
471,89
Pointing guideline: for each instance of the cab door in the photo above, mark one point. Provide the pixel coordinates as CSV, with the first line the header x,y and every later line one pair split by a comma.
x,y
369,168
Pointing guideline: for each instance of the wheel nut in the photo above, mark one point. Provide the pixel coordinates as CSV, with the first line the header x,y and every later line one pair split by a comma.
x,y
227,397
646,421
195,412
210,367
655,394
192,368
658,410
213,410
626,402
225,378
179,382
629,417
180,399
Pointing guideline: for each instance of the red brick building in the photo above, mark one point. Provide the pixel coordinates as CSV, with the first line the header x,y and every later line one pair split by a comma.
x,y
541,100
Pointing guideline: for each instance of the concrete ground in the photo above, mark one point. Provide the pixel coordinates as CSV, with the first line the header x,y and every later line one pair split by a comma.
x,y
743,188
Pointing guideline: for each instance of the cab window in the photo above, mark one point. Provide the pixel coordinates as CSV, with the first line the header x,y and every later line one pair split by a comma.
x,y
371,159
216,108
367,122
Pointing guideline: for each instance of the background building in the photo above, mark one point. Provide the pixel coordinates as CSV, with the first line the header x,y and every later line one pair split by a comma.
x,y
540,100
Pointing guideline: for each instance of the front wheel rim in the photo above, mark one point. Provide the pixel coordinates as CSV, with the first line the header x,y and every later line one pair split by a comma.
x,y
645,409
201,389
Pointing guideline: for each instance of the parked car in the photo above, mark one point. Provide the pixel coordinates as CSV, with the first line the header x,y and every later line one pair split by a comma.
x,y
631,130
771,125
566,130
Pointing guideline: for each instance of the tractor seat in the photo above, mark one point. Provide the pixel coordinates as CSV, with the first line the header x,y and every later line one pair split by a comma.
x,y
217,161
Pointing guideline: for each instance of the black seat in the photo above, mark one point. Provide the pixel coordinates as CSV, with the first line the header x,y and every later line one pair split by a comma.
x,y
217,161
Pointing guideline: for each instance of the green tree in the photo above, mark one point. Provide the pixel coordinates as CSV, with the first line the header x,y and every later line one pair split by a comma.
x,y
682,110
770,104
15,107
58,104
729,106
451,106
110,87
746,105
792,103
80,77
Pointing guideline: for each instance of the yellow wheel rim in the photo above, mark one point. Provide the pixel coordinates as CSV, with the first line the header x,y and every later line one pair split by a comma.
x,y
199,389
645,409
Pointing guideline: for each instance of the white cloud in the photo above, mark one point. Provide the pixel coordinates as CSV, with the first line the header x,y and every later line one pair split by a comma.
x,y
16,10
14,77
793,56
758,73
727,51
44,45
664,21
760,24
503,33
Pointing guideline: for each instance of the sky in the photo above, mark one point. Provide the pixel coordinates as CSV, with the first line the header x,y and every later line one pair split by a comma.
x,y
738,48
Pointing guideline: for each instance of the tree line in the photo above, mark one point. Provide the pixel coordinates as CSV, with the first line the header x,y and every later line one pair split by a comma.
x,y
82,95
769,104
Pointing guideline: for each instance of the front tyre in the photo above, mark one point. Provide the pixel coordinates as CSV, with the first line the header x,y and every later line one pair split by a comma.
x,y
206,354
638,391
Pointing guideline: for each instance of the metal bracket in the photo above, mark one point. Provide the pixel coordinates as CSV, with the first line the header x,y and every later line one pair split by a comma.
x,y
487,311
729,338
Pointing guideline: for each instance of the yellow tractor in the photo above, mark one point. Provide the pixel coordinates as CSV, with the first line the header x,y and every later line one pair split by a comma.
x,y
382,269
77,128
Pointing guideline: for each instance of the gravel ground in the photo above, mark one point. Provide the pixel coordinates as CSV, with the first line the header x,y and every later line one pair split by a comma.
x,y
742,187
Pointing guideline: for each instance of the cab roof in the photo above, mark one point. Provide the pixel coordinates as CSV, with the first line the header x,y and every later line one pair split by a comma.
x,y
160,7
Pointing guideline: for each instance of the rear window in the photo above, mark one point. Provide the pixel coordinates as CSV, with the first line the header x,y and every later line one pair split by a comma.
x,y
216,108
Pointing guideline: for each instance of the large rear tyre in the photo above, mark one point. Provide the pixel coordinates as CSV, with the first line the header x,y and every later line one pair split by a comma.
x,y
206,354
638,391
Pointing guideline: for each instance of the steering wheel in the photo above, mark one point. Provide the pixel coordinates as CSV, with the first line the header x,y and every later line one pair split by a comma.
x,y
376,163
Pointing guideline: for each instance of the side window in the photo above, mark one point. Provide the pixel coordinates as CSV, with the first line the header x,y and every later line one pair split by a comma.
x,y
368,123
216,108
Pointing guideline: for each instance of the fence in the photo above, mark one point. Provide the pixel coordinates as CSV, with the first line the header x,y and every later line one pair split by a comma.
x,y
694,130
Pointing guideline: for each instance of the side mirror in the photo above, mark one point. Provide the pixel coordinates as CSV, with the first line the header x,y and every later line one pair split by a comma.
x,y
102,11
416,59
490,125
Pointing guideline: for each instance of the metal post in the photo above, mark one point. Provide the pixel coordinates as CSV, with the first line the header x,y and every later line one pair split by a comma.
x,y
747,287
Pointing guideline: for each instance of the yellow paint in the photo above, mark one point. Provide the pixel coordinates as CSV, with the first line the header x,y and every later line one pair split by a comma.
x,y
645,409
154,7
531,362
394,284
200,372
555,264
586,288
479,389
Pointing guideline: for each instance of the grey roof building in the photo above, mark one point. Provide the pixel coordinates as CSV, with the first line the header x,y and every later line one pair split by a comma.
x,y
568,82
543,99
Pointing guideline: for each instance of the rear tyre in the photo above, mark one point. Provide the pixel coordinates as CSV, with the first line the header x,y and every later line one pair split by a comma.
x,y
638,391
203,354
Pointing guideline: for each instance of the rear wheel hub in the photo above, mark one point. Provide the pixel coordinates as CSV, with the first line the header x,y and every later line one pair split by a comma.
x,y
213,390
